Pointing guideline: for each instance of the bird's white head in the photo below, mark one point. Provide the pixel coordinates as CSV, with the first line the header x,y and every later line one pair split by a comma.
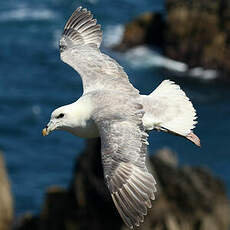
x,y
60,119
74,118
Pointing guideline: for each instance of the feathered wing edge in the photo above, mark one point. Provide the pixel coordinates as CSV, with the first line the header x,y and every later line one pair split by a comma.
x,y
131,186
136,190
82,29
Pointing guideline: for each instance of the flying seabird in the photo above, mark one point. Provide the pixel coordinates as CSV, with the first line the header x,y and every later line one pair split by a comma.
x,y
112,109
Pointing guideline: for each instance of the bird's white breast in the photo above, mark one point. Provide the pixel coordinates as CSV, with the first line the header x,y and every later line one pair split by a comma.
x,y
88,130
81,116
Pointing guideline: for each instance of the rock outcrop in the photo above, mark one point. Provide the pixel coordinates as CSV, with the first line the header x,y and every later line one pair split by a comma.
x,y
189,198
6,201
145,29
195,32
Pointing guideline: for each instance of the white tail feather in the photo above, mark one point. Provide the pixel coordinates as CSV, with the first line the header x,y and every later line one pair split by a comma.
x,y
169,109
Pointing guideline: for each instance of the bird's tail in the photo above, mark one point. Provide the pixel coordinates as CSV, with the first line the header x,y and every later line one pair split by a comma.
x,y
168,109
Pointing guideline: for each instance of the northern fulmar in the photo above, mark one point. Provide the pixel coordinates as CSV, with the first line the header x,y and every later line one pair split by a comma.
x,y
112,109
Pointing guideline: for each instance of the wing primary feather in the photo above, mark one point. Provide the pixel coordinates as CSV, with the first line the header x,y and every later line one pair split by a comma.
x,y
118,181
136,191
78,17
82,21
142,195
123,216
148,186
72,16
148,175
148,203
153,196
142,186
82,29
124,206
139,204
87,25
93,33
132,204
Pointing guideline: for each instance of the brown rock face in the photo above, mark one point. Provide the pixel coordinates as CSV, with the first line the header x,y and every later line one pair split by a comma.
x,y
6,201
188,199
196,32
141,31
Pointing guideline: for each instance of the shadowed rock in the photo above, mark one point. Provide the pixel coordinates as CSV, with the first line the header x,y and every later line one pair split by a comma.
x,y
196,35
145,29
189,198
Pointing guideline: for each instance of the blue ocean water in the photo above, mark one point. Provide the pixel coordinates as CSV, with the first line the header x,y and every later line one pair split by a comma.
x,y
34,81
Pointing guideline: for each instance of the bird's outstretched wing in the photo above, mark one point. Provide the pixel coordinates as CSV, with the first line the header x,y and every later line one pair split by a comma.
x,y
79,48
123,154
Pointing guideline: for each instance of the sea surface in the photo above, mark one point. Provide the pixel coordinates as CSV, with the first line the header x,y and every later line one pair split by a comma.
x,y
34,81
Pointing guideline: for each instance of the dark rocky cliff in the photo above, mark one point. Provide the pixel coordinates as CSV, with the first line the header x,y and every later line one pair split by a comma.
x,y
196,32
189,198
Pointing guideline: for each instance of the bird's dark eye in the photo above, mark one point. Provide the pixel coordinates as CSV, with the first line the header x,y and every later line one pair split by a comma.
x,y
61,115
62,48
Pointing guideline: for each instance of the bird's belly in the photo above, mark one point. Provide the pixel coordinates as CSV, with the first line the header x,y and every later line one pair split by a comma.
x,y
88,130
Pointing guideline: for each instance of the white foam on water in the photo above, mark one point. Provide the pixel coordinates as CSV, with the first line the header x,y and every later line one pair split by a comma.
x,y
112,35
201,73
56,38
141,56
93,1
25,13
36,109
145,57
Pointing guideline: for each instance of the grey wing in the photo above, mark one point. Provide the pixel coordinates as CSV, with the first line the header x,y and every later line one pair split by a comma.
x,y
123,154
79,48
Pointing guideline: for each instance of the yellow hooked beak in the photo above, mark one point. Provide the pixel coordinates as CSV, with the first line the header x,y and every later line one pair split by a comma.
x,y
45,132
49,128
